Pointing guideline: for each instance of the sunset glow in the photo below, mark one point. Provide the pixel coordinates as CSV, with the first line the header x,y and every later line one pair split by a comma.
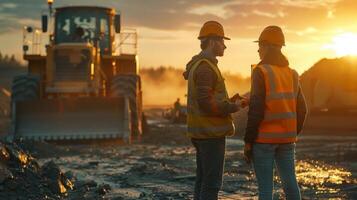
x,y
167,32
344,44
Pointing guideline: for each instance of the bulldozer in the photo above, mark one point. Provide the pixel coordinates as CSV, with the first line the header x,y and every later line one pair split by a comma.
x,y
83,87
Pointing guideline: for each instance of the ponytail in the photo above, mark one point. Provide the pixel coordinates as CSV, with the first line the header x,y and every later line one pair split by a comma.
x,y
274,56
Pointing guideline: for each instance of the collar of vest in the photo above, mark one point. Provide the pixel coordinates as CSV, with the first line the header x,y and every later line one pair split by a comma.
x,y
208,55
272,64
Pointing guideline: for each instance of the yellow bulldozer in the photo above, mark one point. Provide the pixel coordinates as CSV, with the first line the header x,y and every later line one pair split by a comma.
x,y
82,87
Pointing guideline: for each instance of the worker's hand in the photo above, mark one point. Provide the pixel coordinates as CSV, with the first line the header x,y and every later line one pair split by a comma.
x,y
244,102
248,152
235,98
246,99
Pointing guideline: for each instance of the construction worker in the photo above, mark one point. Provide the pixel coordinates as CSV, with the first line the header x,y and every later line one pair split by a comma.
x,y
209,109
177,109
277,111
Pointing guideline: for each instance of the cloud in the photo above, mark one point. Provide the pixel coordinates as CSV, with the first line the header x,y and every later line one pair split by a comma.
x,y
267,14
15,13
8,5
8,23
309,3
308,30
241,18
296,17
156,14
218,9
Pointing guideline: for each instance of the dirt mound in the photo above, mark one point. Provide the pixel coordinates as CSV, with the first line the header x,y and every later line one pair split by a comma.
x,y
22,177
342,70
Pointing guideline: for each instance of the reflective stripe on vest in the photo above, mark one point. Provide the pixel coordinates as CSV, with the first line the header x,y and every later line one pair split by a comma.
x,y
199,124
279,124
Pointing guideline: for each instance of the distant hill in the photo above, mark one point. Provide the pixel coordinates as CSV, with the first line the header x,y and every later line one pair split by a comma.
x,y
341,72
331,84
330,88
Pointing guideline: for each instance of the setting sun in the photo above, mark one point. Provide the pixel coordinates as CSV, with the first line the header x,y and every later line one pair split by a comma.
x,y
344,44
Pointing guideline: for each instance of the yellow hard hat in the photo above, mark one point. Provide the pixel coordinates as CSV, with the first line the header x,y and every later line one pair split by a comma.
x,y
212,29
272,35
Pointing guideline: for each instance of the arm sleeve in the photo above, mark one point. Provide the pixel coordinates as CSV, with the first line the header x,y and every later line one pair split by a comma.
x,y
205,80
256,106
301,110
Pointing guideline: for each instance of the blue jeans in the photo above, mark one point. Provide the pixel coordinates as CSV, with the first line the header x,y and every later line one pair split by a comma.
x,y
210,165
283,155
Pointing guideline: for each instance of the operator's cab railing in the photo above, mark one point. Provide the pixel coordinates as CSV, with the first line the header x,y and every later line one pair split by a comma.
x,y
32,40
35,41
126,42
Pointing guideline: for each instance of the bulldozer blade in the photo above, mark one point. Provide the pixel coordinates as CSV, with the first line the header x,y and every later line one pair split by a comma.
x,y
72,119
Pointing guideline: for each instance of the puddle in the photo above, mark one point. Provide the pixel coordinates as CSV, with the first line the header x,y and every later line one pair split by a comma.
x,y
320,178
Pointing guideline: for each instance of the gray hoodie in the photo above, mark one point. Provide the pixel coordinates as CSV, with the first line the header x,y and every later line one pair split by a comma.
x,y
206,79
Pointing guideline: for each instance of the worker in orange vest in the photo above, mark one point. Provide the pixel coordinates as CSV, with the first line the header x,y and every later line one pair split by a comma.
x,y
277,111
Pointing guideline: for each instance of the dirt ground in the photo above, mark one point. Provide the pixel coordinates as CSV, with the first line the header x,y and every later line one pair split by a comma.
x,y
162,165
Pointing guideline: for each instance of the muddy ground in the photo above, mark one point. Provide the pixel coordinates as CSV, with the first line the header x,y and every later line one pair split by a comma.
x,y
162,165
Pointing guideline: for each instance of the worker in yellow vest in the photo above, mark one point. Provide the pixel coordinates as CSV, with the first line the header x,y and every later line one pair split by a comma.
x,y
277,111
208,111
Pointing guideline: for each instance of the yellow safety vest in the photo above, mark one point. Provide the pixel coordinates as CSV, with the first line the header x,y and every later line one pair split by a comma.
x,y
199,125
280,122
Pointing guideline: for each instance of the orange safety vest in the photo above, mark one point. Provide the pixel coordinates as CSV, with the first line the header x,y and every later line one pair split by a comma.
x,y
280,122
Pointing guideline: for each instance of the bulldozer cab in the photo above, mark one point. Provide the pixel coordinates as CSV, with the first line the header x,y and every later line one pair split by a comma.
x,y
94,25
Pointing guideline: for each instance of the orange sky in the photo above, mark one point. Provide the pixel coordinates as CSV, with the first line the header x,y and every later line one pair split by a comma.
x,y
168,29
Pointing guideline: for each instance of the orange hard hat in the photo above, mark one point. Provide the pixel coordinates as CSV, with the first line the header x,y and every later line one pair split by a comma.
x,y
272,35
212,29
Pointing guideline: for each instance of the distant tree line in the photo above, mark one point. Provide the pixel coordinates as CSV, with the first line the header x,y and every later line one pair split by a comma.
x,y
8,61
